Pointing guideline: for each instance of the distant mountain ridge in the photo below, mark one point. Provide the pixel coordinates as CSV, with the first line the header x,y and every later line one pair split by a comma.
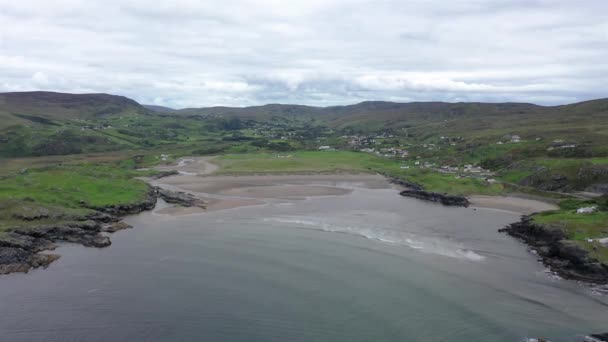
x,y
394,114
43,106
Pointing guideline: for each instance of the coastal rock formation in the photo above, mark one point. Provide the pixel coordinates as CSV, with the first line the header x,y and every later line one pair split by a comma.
x,y
565,257
444,199
129,209
21,247
116,226
19,260
597,338
409,185
181,198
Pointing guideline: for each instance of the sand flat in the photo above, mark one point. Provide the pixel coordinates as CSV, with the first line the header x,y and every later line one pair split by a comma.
x,y
227,192
520,205
323,185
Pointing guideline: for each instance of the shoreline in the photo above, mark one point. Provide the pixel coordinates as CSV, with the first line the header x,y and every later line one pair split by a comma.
x,y
204,170
513,203
24,248
554,250
193,186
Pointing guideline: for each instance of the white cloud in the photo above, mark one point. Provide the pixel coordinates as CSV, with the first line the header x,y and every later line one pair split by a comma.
x,y
244,52
40,79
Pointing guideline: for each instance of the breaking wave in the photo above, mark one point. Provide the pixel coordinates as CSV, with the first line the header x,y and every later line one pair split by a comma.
x,y
385,235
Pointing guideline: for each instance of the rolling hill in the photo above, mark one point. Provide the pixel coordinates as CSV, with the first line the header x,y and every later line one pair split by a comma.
x,y
374,115
42,107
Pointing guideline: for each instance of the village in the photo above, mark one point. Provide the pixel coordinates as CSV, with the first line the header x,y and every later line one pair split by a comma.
x,y
413,155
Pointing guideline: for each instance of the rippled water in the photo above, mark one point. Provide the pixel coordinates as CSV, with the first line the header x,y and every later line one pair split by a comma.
x,y
370,266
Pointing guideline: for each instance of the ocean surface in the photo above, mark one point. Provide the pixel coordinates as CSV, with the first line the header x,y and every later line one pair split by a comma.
x,y
368,266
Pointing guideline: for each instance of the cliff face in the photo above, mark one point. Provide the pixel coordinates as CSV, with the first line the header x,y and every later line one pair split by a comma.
x,y
565,257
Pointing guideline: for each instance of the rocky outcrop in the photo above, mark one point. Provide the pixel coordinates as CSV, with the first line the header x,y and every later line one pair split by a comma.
x,y
116,226
134,208
597,338
449,200
19,260
85,233
563,256
21,247
409,185
181,198
164,174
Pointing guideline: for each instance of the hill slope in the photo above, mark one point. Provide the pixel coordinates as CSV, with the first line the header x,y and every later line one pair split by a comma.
x,y
42,107
373,115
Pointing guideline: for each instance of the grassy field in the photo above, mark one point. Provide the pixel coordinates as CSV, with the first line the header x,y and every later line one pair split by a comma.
x,y
74,186
581,227
298,162
66,192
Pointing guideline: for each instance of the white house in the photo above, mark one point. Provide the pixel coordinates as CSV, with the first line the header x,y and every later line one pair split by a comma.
x,y
586,210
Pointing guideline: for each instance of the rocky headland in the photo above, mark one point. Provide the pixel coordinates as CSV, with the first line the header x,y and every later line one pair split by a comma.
x,y
564,257
24,248
445,199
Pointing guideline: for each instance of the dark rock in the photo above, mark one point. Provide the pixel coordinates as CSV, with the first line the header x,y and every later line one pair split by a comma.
x,y
114,227
599,337
25,242
562,256
181,198
96,240
43,260
19,260
20,248
444,199
409,185
101,217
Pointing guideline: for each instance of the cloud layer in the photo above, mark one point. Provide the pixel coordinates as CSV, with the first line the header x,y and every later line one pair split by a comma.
x,y
185,53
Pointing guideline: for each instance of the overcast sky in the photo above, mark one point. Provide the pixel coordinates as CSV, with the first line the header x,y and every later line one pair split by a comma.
x,y
186,53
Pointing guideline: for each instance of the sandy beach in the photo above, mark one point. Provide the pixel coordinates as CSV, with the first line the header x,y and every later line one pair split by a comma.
x,y
226,192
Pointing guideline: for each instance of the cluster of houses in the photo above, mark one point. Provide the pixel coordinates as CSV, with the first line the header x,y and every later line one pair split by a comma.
x,y
387,152
87,128
452,141
366,140
560,144
467,171
357,140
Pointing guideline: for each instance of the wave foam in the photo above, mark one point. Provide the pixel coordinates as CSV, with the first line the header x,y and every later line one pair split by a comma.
x,y
385,235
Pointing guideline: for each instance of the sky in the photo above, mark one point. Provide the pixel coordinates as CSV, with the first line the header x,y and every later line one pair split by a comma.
x,y
186,53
